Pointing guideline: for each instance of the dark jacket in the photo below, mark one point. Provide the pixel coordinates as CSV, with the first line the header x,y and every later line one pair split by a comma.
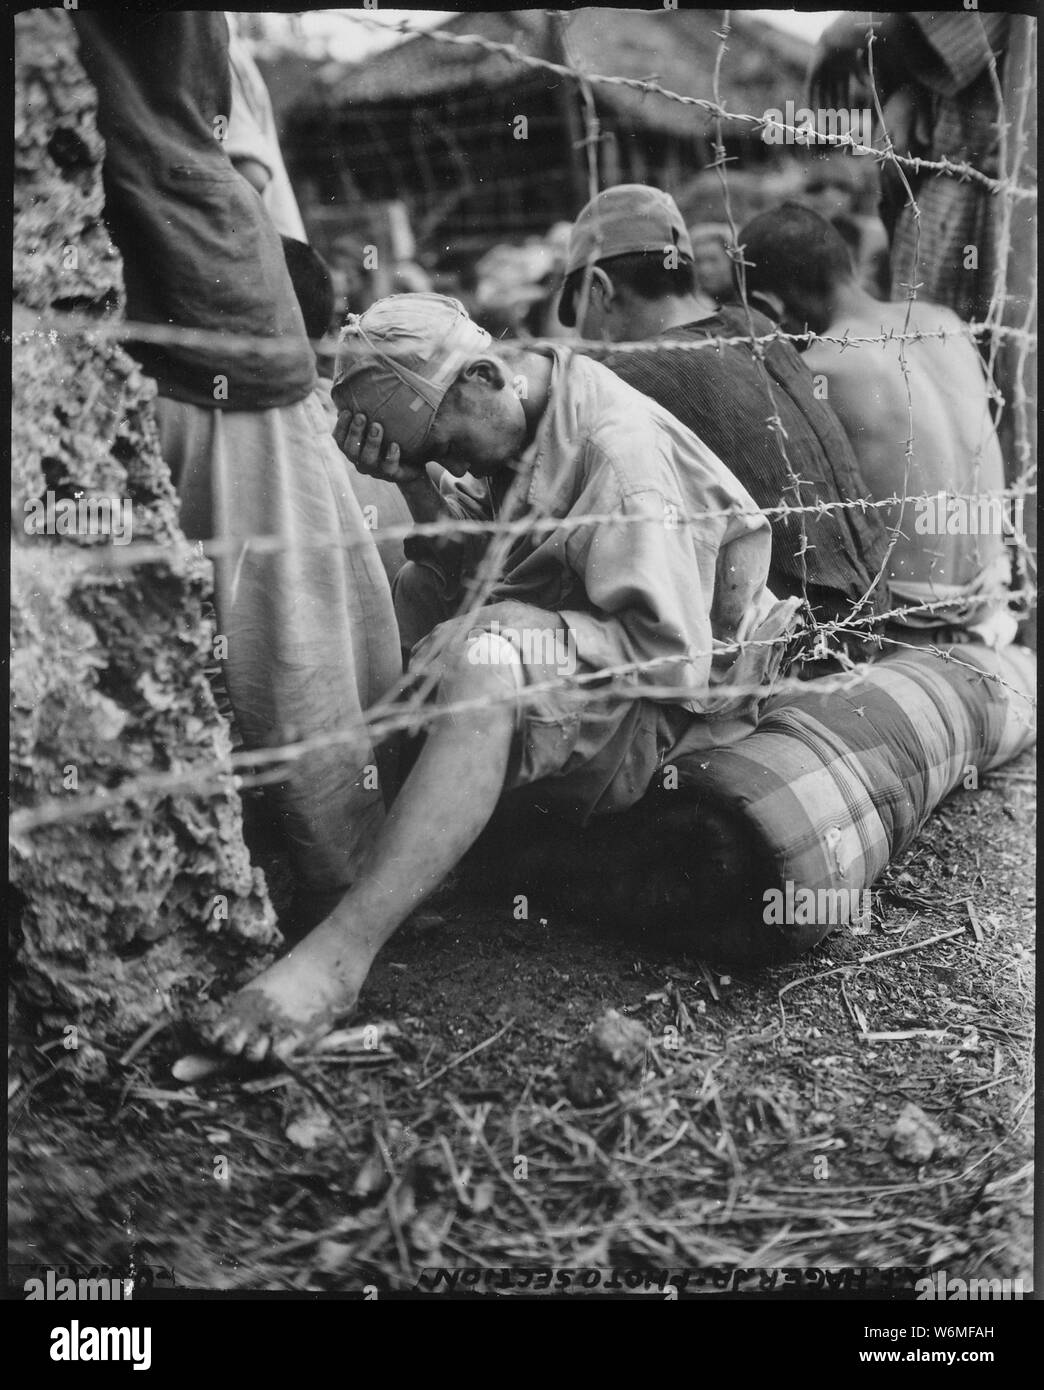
x,y
199,250
722,395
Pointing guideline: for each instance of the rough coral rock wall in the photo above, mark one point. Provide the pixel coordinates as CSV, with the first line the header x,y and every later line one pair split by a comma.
x,y
120,913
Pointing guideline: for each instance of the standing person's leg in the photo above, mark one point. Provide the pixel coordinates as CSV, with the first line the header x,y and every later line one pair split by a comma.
x,y
310,630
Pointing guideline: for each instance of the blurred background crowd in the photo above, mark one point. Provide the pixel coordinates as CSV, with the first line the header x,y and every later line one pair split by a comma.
x,y
412,169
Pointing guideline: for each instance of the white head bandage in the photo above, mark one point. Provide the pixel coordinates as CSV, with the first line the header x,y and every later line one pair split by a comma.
x,y
398,360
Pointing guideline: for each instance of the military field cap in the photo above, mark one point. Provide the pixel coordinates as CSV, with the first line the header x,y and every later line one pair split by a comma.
x,y
621,221
397,361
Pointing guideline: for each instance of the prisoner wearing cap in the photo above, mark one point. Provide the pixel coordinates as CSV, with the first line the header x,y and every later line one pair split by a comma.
x,y
626,220
398,360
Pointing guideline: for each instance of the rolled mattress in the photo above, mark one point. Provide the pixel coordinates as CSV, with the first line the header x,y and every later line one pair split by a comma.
x,y
744,855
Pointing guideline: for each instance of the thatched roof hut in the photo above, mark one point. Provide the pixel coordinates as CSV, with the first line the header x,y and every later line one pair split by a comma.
x,y
436,124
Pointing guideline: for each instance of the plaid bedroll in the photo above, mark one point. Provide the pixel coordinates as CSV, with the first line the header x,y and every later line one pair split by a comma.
x,y
835,785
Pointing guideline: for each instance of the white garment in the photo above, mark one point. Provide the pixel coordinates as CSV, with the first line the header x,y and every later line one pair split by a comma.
x,y
252,135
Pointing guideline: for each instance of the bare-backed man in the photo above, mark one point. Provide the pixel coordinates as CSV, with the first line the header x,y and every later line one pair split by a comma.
x,y
917,413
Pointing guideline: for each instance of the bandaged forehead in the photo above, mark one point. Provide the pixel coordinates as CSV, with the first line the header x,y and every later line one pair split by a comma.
x,y
398,360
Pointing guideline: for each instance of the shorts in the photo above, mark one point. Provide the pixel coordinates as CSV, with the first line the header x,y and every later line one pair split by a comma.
x,y
575,750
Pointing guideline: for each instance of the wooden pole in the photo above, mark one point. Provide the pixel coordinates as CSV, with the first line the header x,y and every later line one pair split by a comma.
x,y
566,98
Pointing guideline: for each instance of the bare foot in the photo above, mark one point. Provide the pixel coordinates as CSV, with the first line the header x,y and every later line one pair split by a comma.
x,y
289,1006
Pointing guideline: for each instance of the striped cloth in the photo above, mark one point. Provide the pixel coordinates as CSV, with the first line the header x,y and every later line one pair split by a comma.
x,y
834,786
954,53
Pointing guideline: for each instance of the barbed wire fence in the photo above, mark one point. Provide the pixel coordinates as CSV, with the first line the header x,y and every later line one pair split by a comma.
x,y
408,707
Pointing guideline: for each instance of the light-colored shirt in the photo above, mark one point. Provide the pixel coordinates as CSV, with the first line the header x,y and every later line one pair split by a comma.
x,y
638,583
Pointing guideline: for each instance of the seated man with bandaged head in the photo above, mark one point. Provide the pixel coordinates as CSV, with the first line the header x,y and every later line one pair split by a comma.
x,y
621,618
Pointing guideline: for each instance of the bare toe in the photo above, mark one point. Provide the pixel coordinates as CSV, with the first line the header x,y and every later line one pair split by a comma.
x,y
234,1041
253,1026
284,1048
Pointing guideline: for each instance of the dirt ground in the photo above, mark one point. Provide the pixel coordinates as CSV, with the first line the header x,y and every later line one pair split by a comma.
x,y
756,1129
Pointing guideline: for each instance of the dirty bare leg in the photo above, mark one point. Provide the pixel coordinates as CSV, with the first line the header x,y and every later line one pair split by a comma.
x,y
444,805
